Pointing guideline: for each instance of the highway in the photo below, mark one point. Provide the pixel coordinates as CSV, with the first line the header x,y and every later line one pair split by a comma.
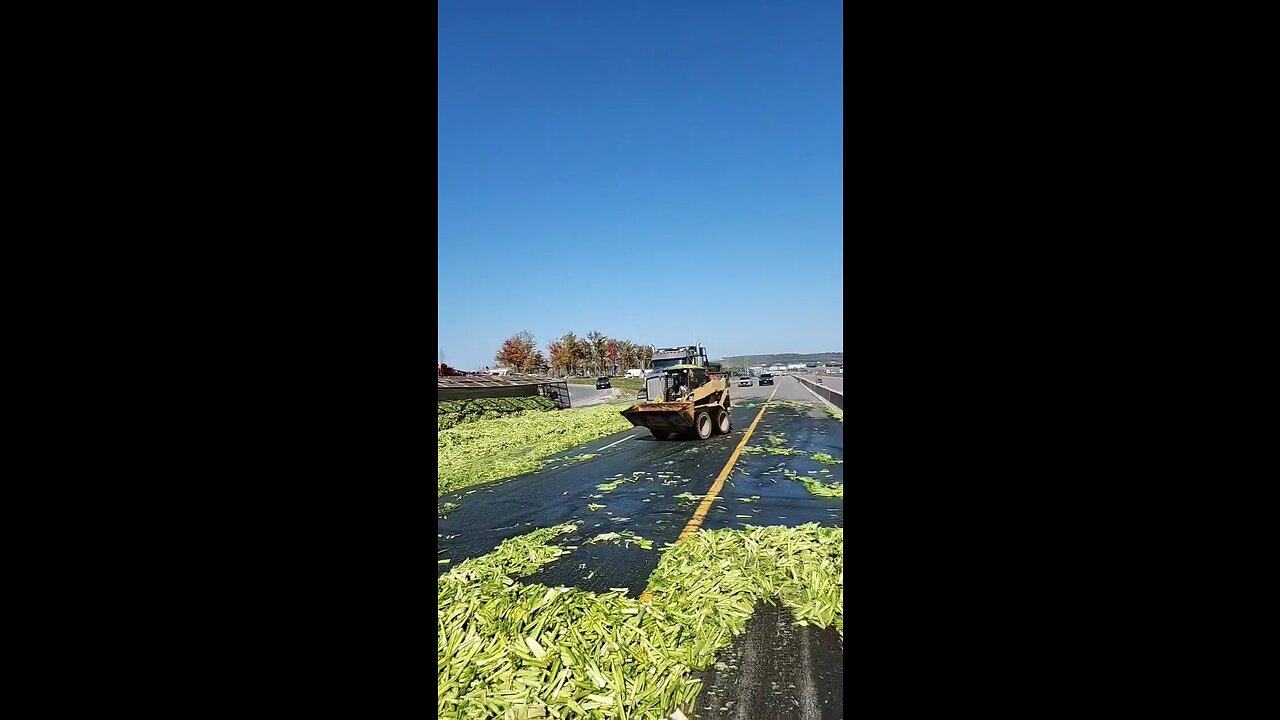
x,y
588,395
775,669
835,382
832,380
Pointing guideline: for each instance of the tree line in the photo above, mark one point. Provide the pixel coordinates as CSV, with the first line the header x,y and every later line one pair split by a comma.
x,y
594,353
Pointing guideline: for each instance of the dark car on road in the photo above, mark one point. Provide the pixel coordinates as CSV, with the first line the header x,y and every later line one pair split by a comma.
x,y
766,379
603,383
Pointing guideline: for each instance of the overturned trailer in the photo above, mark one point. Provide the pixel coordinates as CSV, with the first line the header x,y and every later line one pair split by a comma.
x,y
475,387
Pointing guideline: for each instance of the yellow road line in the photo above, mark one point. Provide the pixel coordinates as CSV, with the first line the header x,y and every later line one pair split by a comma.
x,y
700,514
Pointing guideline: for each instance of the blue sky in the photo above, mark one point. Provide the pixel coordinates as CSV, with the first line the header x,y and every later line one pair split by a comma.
x,y
664,172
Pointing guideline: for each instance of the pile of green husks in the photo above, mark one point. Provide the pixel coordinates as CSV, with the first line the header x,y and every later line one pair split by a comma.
x,y
815,486
511,650
797,404
451,413
504,447
772,450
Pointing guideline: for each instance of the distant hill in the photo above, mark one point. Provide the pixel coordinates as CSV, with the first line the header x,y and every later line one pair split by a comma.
x,y
740,360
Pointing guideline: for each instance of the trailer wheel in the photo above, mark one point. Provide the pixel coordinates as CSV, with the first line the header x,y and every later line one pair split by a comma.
x,y
703,424
724,422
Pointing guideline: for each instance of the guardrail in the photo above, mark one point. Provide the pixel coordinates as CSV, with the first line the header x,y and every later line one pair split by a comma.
x,y
835,397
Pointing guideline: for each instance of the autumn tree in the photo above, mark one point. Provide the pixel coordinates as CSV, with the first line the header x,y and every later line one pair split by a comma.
x,y
583,354
519,352
567,353
612,355
620,347
633,354
535,362
595,353
627,354
560,357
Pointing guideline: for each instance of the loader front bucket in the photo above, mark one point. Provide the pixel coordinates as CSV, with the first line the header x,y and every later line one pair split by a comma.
x,y
662,418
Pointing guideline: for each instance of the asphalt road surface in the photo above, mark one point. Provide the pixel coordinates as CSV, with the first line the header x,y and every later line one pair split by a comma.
x,y
780,670
588,395
833,381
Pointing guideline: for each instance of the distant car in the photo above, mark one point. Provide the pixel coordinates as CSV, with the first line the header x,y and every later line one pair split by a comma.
x,y
766,379
744,382
602,383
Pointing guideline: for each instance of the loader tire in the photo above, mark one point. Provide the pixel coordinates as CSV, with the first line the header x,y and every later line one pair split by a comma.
x,y
702,423
724,422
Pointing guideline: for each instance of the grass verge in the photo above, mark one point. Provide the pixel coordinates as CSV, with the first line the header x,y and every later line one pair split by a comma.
x,y
494,449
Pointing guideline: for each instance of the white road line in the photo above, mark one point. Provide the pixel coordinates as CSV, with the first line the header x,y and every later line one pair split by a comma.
x,y
606,447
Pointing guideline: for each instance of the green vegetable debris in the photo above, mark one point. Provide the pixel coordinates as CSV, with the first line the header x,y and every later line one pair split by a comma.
x,y
507,649
825,458
608,486
499,448
815,486
451,413
446,508
774,450
626,537
797,404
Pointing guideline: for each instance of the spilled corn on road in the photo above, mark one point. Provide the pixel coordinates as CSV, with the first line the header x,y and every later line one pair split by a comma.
x,y
626,498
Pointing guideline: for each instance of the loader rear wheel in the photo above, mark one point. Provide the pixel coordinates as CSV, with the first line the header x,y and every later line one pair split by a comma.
x,y
703,424
724,422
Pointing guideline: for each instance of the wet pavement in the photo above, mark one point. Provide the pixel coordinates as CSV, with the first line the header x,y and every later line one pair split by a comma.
x,y
653,474
775,669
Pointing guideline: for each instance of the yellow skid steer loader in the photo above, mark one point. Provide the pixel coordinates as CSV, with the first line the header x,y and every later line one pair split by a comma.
x,y
689,401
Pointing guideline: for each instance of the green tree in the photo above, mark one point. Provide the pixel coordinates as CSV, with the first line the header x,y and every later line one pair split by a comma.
x,y
598,345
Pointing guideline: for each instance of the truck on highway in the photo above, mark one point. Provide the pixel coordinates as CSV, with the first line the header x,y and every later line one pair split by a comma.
x,y
663,358
684,395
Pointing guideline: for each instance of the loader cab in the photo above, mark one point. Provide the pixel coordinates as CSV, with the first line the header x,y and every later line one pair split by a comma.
x,y
675,382
682,381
